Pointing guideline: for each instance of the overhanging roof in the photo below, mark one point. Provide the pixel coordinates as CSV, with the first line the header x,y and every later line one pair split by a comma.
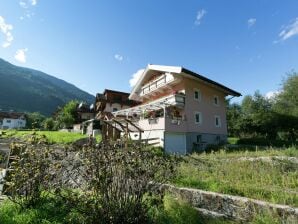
x,y
181,70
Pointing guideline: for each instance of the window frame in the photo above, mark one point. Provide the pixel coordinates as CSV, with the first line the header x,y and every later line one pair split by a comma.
x,y
199,138
217,117
200,117
199,99
217,99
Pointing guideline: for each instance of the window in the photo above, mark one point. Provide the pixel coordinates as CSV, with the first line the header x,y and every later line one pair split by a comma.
x,y
198,117
217,121
8,121
199,138
115,109
217,139
215,100
197,95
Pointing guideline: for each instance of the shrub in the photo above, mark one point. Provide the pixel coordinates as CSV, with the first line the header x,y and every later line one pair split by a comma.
x,y
103,183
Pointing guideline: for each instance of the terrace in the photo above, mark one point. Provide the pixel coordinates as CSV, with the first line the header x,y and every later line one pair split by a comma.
x,y
157,114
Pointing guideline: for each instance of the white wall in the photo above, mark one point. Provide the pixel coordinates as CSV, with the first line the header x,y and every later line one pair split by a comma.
x,y
110,106
9,123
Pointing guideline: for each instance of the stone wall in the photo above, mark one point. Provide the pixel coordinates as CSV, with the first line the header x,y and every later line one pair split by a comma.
x,y
231,207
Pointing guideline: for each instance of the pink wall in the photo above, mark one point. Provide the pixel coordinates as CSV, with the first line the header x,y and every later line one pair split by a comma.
x,y
205,106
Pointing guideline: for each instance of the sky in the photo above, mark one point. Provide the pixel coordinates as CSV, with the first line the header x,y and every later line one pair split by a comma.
x,y
98,44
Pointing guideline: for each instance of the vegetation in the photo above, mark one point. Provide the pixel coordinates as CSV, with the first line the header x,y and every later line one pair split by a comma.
x,y
66,116
53,210
243,174
52,136
34,120
102,183
23,89
269,119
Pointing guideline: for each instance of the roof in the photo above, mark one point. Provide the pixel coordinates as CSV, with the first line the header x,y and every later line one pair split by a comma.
x,y
11,115
114,91
182,71
103,97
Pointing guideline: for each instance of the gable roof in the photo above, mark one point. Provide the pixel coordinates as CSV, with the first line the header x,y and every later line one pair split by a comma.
x,y
182,71
11,115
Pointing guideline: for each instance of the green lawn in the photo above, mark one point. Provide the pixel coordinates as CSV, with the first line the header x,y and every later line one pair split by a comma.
x,y
52,136
229,173
233,140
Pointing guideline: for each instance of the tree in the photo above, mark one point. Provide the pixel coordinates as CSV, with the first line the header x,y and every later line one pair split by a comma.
x,y
34,120
48,124
287,99
67,115
234,118
257,115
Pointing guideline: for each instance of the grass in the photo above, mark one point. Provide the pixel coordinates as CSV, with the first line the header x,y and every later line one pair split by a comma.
x,y
224,172
48,211
52,136
233,140
261,142
173,211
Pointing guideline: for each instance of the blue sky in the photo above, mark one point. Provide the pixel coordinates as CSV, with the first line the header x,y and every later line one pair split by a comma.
x,y
245,45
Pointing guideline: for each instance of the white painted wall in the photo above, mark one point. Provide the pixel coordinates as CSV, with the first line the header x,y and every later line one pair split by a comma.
x,y
150,134
175,143
110,106
9,123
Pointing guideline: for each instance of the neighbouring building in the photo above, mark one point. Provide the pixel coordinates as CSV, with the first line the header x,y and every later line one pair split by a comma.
x,y
85,112
111,101
184,110
12,120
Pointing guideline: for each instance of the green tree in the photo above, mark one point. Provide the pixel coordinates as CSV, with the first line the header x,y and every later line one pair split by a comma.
x,y
234,114
67,115
49,124
257,115
34,120
287,100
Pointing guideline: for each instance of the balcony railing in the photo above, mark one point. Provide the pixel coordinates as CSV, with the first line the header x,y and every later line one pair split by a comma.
x,y
157,83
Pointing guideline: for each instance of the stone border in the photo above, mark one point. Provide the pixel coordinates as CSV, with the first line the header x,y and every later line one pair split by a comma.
x,y
231,207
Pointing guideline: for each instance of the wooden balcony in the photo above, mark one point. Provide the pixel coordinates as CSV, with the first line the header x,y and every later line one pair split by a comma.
x,y
158,84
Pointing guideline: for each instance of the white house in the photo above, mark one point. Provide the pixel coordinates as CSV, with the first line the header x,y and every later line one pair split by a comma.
x,y
12,120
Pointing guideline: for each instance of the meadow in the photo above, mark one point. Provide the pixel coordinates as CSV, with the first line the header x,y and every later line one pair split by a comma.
x,y
264,174
52,136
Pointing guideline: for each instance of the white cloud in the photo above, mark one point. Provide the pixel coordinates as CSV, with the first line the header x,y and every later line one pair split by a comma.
x,y
33,2
26,3
289,30
20,55
200,14
5,29
135,77
23,4
251,22
118,57
272,94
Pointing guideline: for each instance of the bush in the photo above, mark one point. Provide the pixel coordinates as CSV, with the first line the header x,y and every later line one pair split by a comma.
x,y
103,183
265,142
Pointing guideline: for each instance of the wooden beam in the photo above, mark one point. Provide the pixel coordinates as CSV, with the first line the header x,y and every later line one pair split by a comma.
x,y
132,124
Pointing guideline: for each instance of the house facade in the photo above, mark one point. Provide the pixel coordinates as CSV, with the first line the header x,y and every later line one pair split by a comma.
x,y
12,120
184,110
111,101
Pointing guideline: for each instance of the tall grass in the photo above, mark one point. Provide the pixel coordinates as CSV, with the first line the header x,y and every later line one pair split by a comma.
x,y
275,181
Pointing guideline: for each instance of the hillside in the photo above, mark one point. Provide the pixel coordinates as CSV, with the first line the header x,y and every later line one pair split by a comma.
x,y
28,90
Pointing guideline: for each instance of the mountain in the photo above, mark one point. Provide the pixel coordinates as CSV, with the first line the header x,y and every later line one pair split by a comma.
x,y
28,90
